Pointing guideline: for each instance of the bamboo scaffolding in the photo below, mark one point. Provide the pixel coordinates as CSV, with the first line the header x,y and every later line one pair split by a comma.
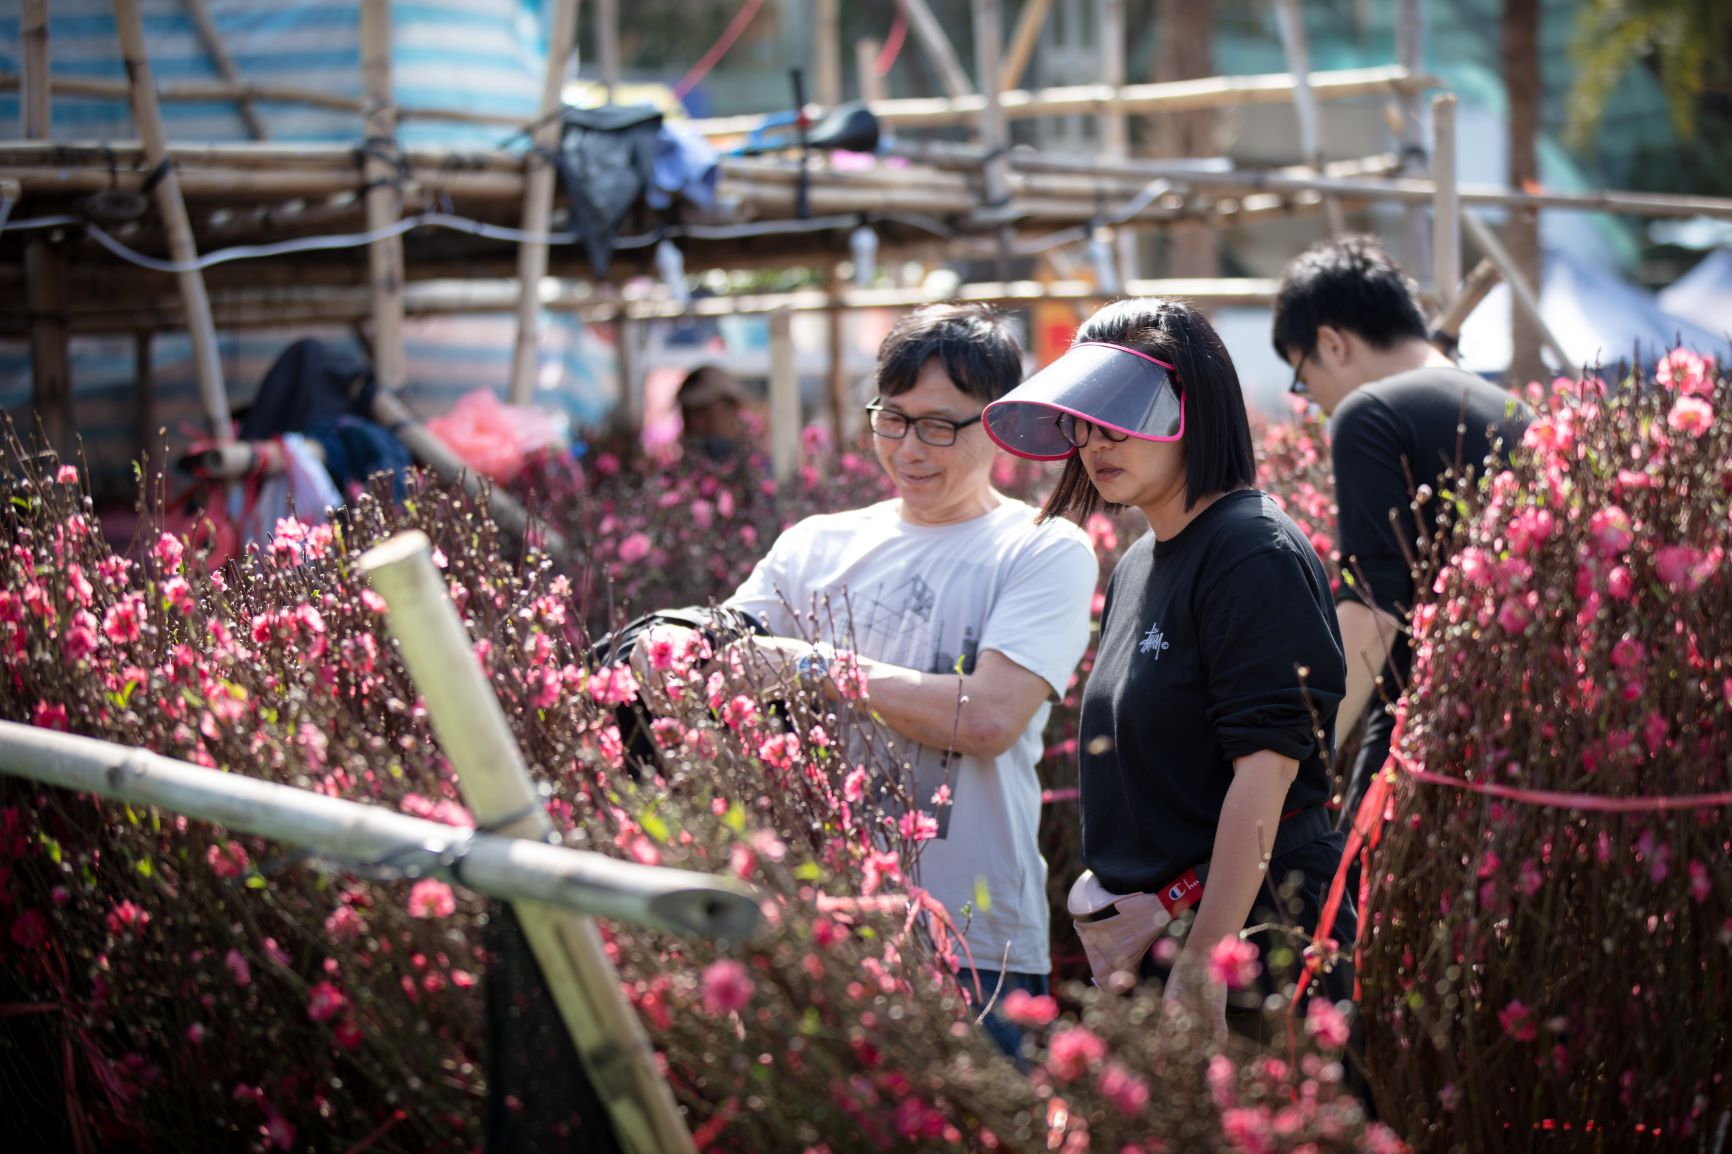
x,y
673,901
538,206
1410,54
1446,207
1521,293
1291,21
827,53
936,47
213,393
1086,99
496,787
223,91
384,198
785,416
44,260
219,54
866,52
1111,123
1029,23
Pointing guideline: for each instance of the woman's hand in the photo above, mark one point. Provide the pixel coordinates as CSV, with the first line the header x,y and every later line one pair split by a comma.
x,y
1193,995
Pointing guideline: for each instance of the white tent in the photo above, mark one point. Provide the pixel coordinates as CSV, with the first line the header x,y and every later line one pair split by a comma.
x,y
1597,317
1703,296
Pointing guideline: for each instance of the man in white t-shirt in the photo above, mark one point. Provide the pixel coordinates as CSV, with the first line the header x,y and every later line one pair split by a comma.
x,y
950,578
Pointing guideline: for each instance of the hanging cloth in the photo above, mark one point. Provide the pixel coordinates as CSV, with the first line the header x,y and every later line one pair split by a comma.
x,y
606,161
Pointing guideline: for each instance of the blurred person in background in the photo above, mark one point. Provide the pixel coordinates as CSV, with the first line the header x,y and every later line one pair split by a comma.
x,y
1403,420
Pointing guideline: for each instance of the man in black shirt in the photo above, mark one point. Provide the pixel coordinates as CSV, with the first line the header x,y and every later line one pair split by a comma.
x,y
1403,420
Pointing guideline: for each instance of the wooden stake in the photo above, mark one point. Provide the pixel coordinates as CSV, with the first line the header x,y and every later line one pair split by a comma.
x,y
1446,206
219,53
937,47
496,787
384,197
538,204
144,424
1479,283
784,398
826,53
213,394
676,901
1028,25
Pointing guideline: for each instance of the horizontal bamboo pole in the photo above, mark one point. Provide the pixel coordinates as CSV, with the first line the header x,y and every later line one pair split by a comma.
x,y
1087,99
677,901
129,155
221,91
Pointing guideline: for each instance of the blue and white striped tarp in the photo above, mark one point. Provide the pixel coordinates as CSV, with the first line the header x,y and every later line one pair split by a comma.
x,y
477,55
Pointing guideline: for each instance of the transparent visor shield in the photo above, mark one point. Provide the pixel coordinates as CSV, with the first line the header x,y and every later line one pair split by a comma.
x,y
1110,386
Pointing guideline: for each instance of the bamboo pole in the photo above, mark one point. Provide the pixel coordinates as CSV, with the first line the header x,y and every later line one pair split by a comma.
x,y
827,53
384,197
1446,325
1293,42
837,378
1029,23
497,788
784,398
994,131
44,259
1410,54
866,52
219,53
676,901
1085,99
390,411
1522,295
213,394
538,204
1111,123
607,45
937,47
1446,207
144,424
222,91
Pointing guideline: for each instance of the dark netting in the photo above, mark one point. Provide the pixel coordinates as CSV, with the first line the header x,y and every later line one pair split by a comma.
x,y
539,1096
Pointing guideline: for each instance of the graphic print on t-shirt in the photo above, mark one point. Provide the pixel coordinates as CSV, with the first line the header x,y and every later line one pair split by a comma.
x,y
900,622
1153,641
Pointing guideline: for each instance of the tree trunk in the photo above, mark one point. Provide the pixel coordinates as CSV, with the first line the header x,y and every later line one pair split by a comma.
x,y
1521,72
1185,50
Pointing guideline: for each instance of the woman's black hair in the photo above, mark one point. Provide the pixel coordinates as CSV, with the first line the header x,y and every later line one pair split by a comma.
x,y
1217,443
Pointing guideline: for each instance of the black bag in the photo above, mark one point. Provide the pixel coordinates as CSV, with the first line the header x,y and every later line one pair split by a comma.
x,y
720,626
606,159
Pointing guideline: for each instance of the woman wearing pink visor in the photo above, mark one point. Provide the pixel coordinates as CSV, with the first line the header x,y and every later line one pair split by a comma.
x,y
1211,704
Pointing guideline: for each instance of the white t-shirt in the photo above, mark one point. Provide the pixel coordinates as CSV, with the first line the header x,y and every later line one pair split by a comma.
x,y
922,597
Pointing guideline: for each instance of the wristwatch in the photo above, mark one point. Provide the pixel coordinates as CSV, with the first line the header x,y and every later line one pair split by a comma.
x,y
813,667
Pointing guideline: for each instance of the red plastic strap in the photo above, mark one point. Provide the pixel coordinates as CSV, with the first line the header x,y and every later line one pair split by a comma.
x,y
1596,803
719,49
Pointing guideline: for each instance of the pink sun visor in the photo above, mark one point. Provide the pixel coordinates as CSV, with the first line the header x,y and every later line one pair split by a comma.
x,y
1116,388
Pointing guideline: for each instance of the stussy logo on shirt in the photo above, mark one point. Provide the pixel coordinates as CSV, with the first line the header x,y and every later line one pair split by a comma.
x,y
1154,641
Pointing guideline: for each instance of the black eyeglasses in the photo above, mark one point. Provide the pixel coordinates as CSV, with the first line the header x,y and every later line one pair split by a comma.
x,y
938,432
1298,388
1078,430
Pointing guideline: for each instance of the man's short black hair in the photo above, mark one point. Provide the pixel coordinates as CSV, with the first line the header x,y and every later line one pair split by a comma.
x,y
1348,284
1218,453
975,344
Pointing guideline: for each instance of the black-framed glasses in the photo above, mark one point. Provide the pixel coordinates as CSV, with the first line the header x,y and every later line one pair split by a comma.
x,y
1298,388
939,432
1077,430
